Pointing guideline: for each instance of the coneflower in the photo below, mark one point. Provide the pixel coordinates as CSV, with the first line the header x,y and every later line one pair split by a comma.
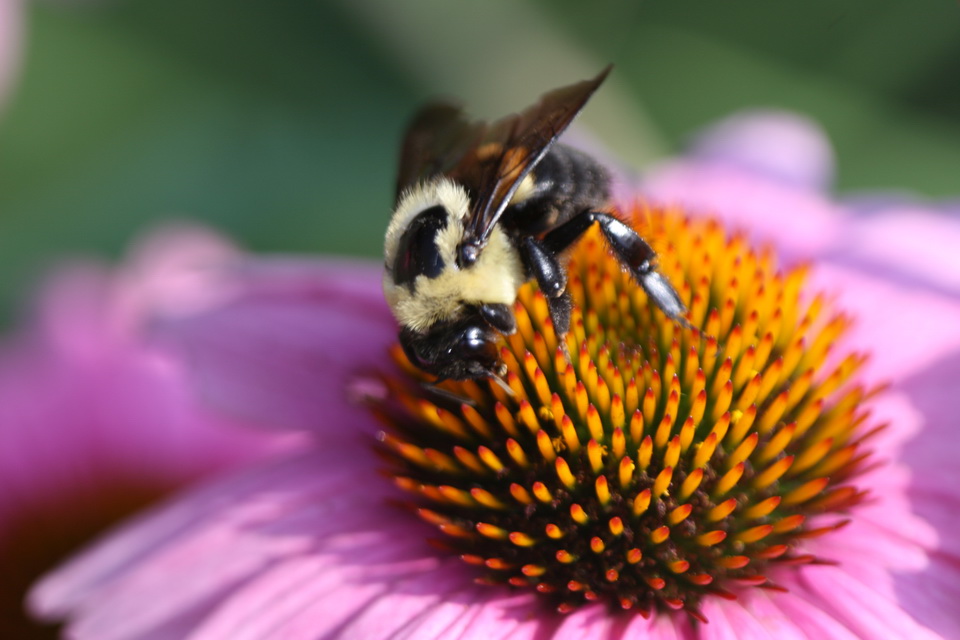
x,y
636,480
657,464
95,421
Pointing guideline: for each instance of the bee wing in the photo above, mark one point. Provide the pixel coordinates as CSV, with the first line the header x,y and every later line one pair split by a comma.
x,y
516,144
437,140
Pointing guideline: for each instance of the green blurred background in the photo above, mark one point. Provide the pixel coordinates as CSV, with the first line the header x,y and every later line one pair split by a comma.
x,y
278,121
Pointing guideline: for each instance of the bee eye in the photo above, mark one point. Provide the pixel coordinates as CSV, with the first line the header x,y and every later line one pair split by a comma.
x,y
417,252
477,344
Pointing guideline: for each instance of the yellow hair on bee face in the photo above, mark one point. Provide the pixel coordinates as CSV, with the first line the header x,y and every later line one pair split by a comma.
x,y
493,279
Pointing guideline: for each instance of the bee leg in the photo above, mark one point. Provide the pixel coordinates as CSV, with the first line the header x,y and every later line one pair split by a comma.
x,y
631,250
552,278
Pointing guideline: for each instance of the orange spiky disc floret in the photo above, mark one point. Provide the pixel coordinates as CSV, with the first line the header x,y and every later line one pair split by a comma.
x,y
659,464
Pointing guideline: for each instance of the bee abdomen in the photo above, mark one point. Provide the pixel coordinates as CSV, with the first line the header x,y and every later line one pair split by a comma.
x,y
586,181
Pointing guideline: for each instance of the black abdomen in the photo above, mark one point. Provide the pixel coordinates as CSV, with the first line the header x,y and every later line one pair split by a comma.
x,y
567,182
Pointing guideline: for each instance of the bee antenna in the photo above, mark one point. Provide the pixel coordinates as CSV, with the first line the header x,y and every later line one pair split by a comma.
x,y
449,396
468,254
503,385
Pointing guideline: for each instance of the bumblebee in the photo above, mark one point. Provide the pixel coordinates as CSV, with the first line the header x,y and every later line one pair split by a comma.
x,y
483,208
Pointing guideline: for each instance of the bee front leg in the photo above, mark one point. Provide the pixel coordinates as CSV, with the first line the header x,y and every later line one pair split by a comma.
x,y
632,252
552,278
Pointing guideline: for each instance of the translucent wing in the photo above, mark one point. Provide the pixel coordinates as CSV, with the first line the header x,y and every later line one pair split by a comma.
x,y
508,151
437,140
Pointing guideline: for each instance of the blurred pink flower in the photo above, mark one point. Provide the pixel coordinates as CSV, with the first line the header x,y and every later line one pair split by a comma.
x,y
309,546
11,34
95,423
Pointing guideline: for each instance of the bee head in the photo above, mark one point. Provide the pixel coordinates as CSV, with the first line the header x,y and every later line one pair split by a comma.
x,y
433,294
465,349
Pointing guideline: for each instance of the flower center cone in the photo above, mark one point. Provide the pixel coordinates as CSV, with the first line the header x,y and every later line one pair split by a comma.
x,y
646,464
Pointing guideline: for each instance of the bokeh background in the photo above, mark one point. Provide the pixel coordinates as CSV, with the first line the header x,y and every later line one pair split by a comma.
x,y
278,122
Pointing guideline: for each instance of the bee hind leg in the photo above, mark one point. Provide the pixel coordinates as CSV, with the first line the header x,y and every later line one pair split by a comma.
x,y
632,252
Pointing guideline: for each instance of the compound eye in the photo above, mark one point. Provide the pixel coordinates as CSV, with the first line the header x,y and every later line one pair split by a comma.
x,y
410,343
417,252
475,343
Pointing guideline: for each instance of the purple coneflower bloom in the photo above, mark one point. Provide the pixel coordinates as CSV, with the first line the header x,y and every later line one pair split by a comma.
x,y
96,423
322,543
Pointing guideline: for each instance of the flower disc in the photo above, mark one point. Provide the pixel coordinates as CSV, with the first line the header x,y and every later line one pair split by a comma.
x,y
647,464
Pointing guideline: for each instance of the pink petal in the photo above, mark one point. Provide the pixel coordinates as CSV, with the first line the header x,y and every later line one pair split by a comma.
x,y
862,599
762,173
930,596
309,555
402,604
328,595
908,245
932,500
592,621
88,408
459,617
242,502
67,427
242,531
95,422
174,271
281,593
660,627
775,617
778,145
876,536
799,222
904,330
499,617
729,621
931,457
815,622
286,351
177,270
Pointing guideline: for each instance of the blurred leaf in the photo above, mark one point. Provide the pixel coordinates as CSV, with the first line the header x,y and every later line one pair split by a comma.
x,y
499,56
880,76
272,121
